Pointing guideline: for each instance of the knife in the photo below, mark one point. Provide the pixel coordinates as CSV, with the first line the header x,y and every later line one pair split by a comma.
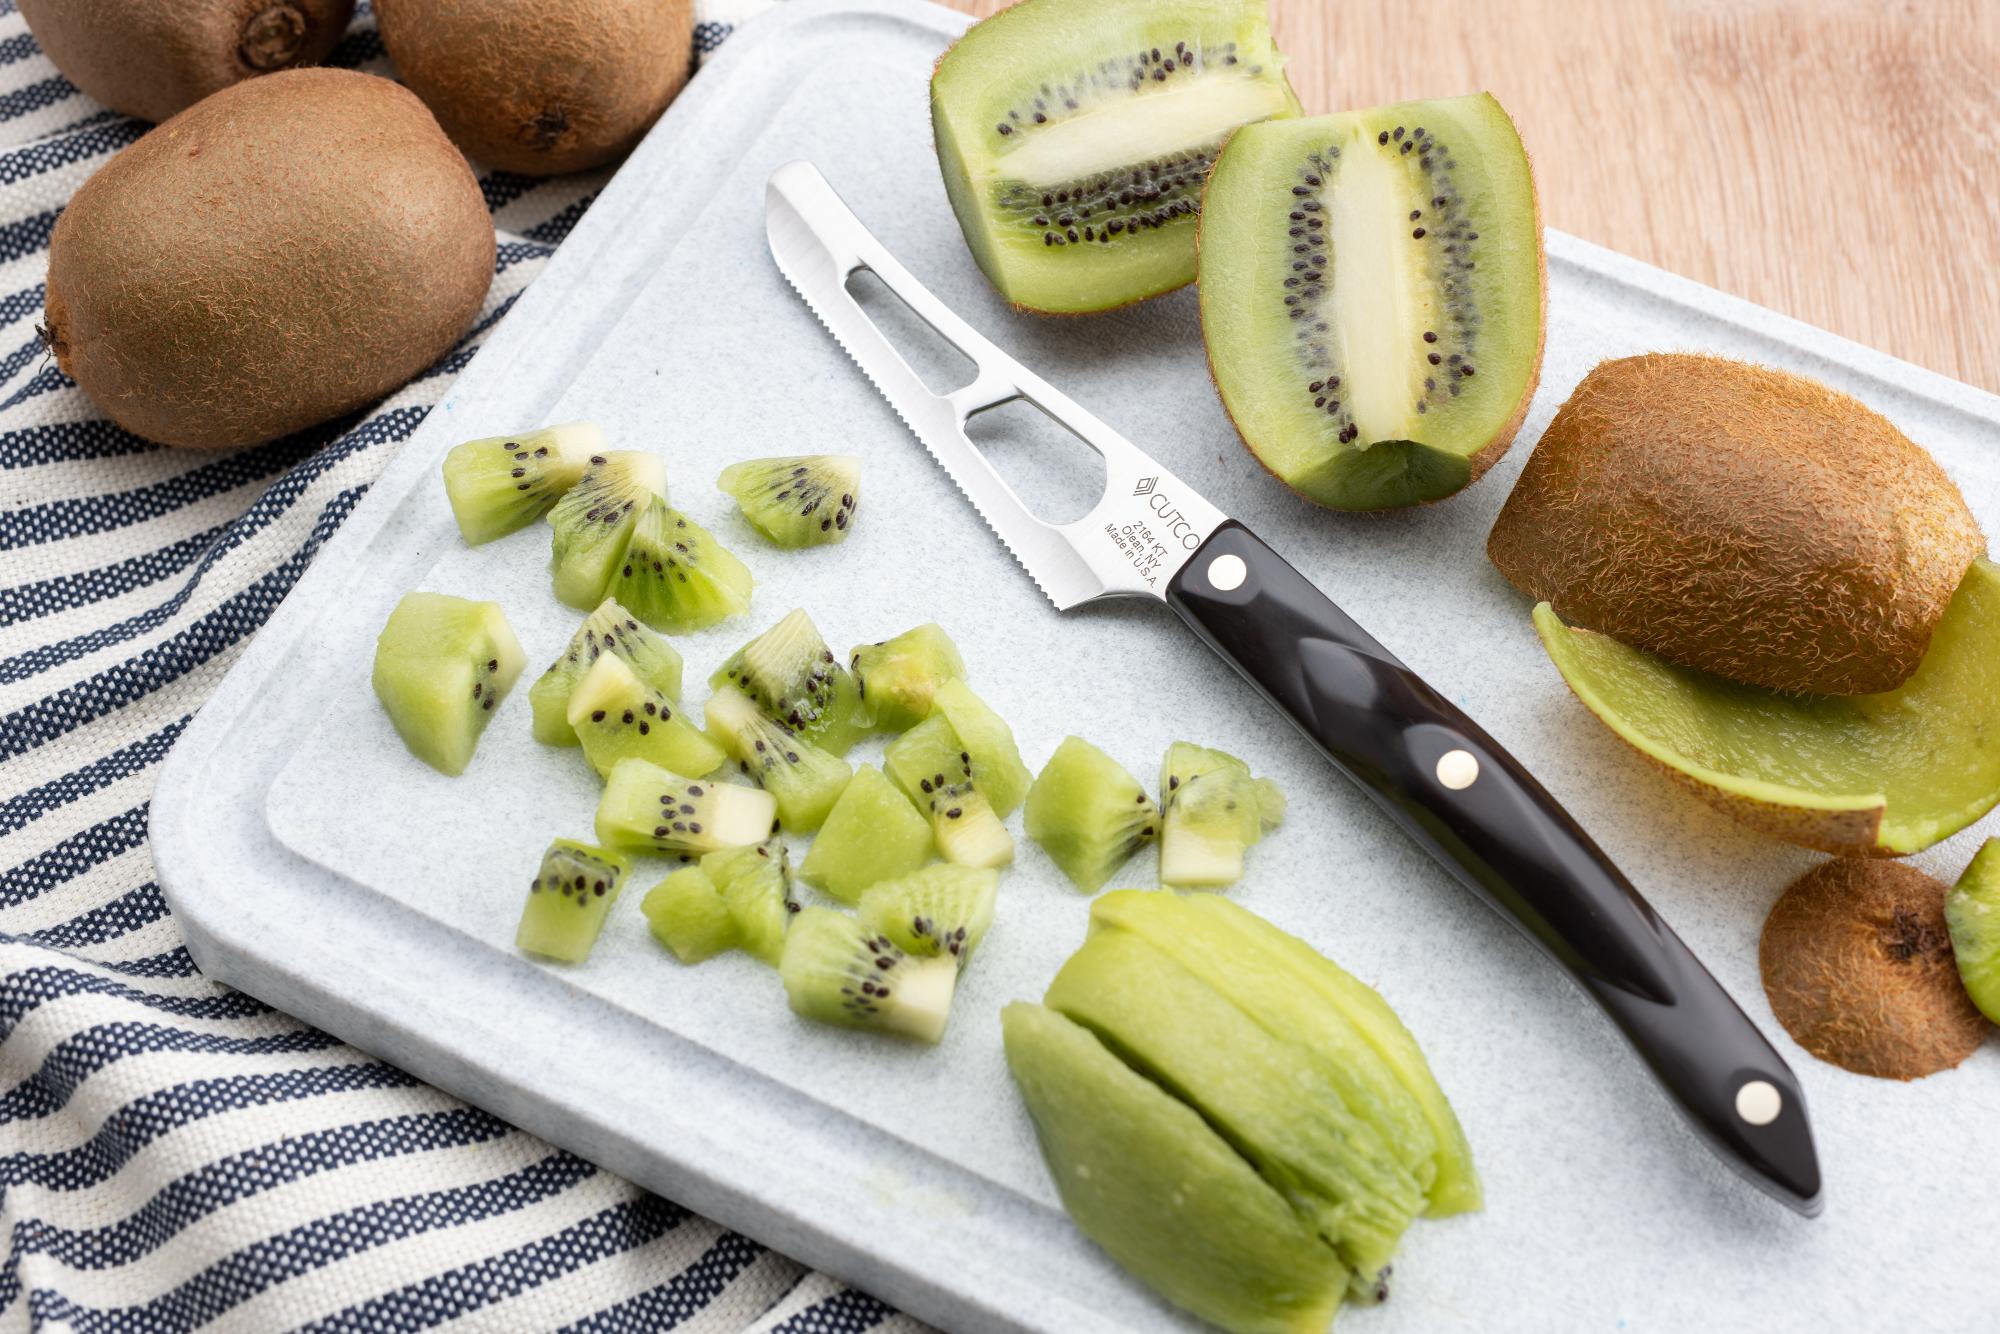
x,y
1450,786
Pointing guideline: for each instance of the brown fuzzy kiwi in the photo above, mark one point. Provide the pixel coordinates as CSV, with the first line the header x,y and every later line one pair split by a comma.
x,y
282,252
150,59
542,86
1741,520
1858,964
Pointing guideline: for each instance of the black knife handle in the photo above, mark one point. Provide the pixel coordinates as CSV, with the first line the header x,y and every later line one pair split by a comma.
x,y
1472,806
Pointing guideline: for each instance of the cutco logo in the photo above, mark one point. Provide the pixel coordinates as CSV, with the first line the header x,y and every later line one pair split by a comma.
x,y
1178,527
1145,487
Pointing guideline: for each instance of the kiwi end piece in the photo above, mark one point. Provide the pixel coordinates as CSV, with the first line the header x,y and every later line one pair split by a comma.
x,y
838,971
442,666
1972,912
686,914
804,501
503,483
872,833
939,910
569,899
898,677
1089,814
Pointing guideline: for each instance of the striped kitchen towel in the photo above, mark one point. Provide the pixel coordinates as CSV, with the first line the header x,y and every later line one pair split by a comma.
x,y
173,1154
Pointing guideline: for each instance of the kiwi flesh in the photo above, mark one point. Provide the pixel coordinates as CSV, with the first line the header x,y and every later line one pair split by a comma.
x,y
593,523
1857,962
805,780
805,501
675,576
569,899
687,914
838,971
1089,814
941,909
617,716
792,676
609,629
1212,1236
872,833
1874,775
502,483
935,771
1215,811
1373,297
1074,136
897,678
755,884
989,742
150,60
647,808
1972,913
442,666
1741,520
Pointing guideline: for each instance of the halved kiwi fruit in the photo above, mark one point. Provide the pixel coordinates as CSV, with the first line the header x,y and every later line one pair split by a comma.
x,y
569,899
502,483
838,971
618,716
593,522
1879,775
1089,814
609,629
442,665
1074,136
1972,912
675,576
790,673
805,501
1372,297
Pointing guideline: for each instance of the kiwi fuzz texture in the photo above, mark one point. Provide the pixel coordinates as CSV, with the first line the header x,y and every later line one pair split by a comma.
x,y
1745,521
542,86
326,201
152,60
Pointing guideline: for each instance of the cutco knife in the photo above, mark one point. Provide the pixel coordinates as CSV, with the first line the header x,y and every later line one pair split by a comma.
x,y
1450,786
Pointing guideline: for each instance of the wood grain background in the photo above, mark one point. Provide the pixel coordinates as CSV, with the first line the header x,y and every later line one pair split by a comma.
x,y
1838,160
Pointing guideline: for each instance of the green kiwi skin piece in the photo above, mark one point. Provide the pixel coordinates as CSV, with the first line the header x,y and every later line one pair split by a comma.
x,y
1214,811
939,910
649,809
442,666
793,677
1074,136
675,576
1264,1095
608,629
1972,913
1212,1236
837,971
503,483
755,884
872,833
803,501
688,916
1373,297
898,677
996,760
569,899
1089,814
935,771
617,716
593,523
805,780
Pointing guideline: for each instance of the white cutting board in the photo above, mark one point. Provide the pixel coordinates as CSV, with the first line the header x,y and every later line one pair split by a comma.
x,y
313,863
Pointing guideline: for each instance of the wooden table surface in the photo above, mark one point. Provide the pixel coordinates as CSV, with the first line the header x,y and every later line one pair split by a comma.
x,y
1838,160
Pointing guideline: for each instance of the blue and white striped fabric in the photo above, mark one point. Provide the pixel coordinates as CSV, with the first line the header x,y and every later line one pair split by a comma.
x,y
174,1154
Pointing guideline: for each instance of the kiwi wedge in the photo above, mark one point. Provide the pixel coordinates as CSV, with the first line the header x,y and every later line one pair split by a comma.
x,y
935,771
569,899
609,629
647,808
1972,913
442,666
503,483
793,677
872,833
617,716
1074,135
687,914
1857,962
1373,297
898,677
593,523
1089,814
805,501
1879,775
675,576
838,971
805,780
989,742
1215,811
939,910
1742,520
755,885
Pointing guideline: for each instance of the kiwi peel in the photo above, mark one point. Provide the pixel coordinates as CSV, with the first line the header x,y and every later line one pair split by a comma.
x,y
1972,914
442,666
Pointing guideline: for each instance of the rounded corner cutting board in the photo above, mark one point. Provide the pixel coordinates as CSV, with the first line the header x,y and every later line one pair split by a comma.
x,y
316,865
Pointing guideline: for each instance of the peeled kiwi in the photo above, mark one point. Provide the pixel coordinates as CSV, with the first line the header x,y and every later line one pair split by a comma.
x,y
1973,913
542,86
838,971
1742,520
805,501
442,666
1857,961
790,673
287,250
151,59
1089,814
503,483
593,523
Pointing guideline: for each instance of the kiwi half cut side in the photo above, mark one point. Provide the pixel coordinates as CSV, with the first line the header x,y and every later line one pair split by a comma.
x,y
1876,775
1074,136
1373,297
1972,913
503,483
442,666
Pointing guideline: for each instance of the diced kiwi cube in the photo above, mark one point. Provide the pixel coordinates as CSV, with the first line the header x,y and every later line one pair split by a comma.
x,y
873,833
1089,814
687,915
442,666
898,677
568,900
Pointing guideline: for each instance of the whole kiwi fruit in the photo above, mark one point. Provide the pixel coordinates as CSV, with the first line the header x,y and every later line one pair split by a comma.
x,y
1740,520
282,252
152,58
541,86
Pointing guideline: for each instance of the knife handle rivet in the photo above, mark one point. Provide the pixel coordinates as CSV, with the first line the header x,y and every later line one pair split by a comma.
x,y
1227,572
1458,769
1758,1102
